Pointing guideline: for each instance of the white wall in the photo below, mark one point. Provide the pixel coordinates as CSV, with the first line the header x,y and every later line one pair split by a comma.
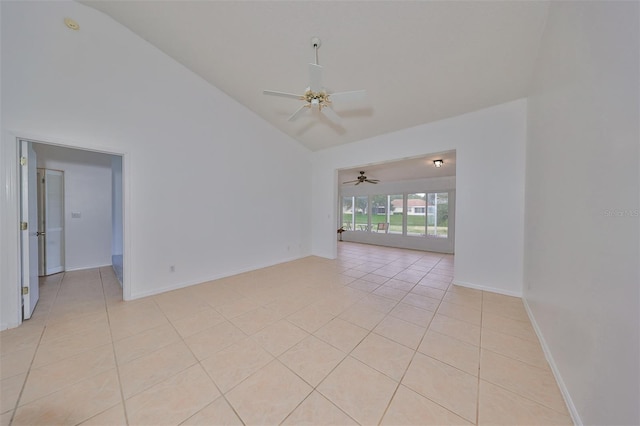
x,y
87,191
489,146
582,225
208,185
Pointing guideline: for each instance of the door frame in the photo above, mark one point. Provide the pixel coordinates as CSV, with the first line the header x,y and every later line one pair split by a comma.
x,y
10,244
44,224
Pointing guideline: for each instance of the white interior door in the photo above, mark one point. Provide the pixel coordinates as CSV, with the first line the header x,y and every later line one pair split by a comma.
x,y
54,221
29,226
41,225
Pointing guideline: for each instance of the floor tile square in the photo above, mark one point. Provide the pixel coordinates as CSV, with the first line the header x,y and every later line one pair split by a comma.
x,y
498,406
310,318
269,395
412,314
454,389
454,352
400,331
219,412
280,336
73,404
146,371
58,375
461,312
528,351
363,316
198,321
148,341
312,359
384,355
341,334
112,416
411,408
318,410
174,399
235,363
455,328
256,320
521,378
360,391
213,339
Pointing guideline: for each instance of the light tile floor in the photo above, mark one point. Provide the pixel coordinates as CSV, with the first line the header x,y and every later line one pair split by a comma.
x,y
378,336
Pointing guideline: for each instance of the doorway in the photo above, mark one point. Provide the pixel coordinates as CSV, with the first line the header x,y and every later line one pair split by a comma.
x,y
50,231
81,223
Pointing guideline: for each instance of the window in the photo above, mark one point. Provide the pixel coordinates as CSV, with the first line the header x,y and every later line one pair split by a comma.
x,y
347,213
396,202
438,222
423,214
361,212
416,218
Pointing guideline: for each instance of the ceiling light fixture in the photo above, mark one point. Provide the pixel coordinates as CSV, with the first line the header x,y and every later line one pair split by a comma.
x,y
438,163
71,24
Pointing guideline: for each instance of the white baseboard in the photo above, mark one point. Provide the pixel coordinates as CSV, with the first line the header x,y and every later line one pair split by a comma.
x,y
201,280
573,412
485,288
7,326
84,268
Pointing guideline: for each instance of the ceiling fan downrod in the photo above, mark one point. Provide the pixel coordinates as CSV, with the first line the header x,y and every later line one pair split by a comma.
x,y
316,43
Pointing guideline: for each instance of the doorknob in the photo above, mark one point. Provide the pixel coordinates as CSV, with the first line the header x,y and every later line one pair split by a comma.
x,y
39,233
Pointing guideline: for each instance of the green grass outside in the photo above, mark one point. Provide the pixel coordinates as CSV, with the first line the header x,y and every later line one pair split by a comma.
x,y
415,224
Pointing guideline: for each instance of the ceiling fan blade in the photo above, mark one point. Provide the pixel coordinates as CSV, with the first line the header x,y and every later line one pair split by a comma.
x,y
372,180
331,115
352,96
283,94
297,113
359,182
315,77
351,181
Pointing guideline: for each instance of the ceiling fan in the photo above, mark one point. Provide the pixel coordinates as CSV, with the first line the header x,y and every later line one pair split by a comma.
x,y
316,96
362,178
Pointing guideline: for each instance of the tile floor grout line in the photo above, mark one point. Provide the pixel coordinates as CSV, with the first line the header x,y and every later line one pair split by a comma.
x,y
347,355
407,369
115,356
315,389
479,358
26,378
222,394
399,382
199,363
35,352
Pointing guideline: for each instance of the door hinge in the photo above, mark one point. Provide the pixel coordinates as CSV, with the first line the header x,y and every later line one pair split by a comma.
x,y
24,226
23,161
25,291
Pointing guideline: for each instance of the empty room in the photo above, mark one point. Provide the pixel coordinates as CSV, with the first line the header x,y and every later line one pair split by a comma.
x,y
331,213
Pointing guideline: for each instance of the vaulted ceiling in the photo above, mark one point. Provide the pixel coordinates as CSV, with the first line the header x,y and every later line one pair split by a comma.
x,y
420,61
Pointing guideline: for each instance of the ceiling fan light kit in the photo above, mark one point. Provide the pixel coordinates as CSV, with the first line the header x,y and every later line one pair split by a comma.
x,y
315,96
